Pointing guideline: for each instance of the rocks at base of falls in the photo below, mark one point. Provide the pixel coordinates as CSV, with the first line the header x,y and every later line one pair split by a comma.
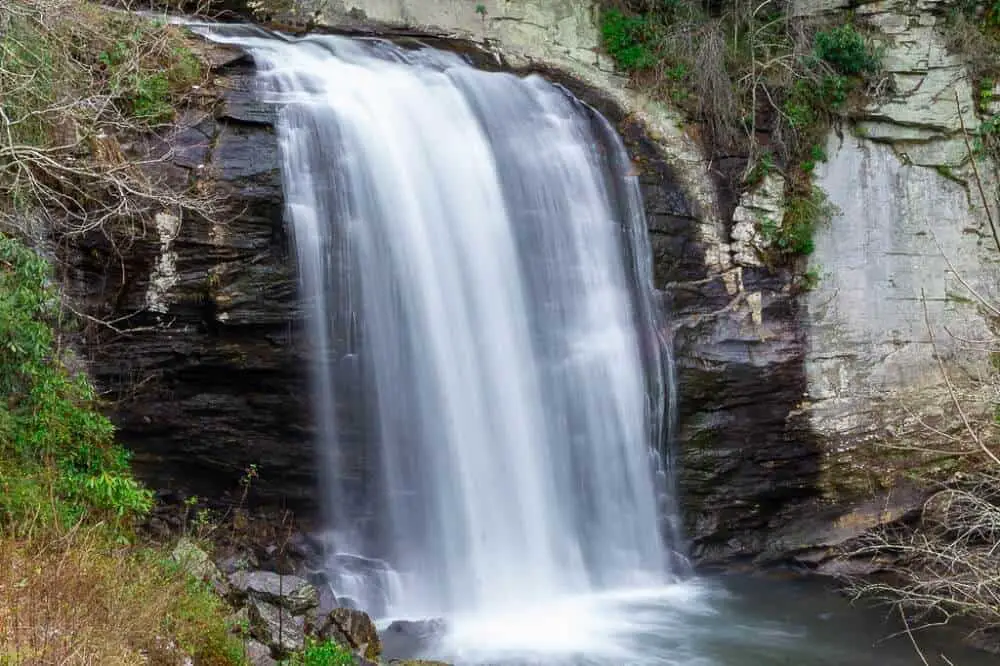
x,y
189,557
276,627
407,637
294,594
259,654
277,615
353,628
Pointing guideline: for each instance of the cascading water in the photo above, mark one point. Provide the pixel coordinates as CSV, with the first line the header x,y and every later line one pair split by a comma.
x,y
473,252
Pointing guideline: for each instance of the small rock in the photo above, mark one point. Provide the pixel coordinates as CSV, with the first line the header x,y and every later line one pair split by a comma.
x,y
354,629
240,562
291,592
327,601
239,622
196,562
276,627
259,654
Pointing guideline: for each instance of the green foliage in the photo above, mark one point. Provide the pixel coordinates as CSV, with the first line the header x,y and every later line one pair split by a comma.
x,y
803,213
810,279
57,453
991,19
326,653
815,156
626,40
147,90
985,96
481,9
70,70
194,620
986,140
794,235
761,169
845,49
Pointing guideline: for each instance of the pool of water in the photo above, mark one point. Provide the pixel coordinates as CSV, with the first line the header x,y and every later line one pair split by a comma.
x,y
727,621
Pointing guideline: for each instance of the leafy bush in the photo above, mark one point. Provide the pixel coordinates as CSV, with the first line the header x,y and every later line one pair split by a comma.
x,y
803,213
625,40
326,653
147,81
846,50
58,459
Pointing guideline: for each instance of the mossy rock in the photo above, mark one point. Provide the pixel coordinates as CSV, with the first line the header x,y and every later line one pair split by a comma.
x,y
354,629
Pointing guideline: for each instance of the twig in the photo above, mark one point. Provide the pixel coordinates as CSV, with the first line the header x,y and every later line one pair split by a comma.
x,y
910,635
975,172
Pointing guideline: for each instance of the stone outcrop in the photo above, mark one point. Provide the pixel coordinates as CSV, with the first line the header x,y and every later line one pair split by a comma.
x,y
200,351
903,265
353,628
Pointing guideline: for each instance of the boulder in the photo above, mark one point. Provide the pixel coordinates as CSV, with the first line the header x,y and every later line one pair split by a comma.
x,y
292,593
276,627
404,638
190,557
238,562
354,629
259,654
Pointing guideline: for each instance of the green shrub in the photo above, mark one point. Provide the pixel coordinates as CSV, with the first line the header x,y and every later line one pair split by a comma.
x,y
803,213
846,50
147,68
325,653
54,444
625,40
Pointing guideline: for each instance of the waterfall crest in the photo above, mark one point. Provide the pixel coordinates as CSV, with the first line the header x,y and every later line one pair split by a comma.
x,y
473,253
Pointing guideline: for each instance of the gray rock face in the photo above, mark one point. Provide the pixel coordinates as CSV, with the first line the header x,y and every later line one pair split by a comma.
x,y
901,267
290,592
353,629
259,654
276,627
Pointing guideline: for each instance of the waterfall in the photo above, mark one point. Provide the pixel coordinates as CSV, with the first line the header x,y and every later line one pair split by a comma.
x,y
473,254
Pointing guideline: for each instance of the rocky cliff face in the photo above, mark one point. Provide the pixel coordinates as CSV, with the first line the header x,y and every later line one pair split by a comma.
x,y
200,353
784,393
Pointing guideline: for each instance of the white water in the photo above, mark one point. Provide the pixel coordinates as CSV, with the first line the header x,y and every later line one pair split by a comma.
x,y
474,256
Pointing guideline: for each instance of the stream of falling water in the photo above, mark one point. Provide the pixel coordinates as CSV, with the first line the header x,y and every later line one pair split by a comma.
x,y
473,254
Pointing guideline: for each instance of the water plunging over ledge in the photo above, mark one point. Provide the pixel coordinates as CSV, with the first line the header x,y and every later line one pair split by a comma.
x,y
474,255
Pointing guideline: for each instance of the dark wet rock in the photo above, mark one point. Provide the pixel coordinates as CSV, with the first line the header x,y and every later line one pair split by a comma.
x,y
238,562
328,600
824,540
405,638
290,592
276,627
304,547
204,367
354,629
